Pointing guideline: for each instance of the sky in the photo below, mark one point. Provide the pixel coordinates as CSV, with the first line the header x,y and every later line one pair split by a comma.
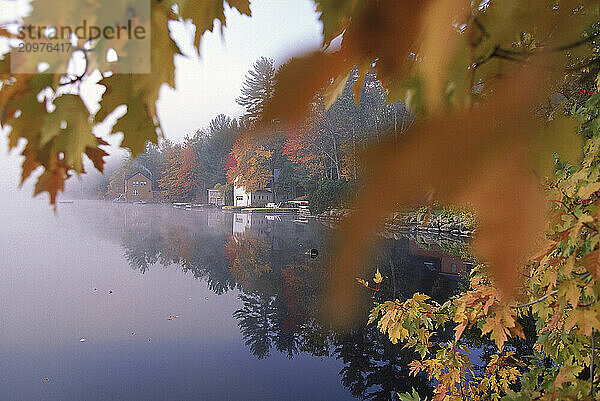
x,y
208,85
208,81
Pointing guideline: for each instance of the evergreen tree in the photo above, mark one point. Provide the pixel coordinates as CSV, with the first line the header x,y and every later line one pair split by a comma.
x,y
211,147
258,89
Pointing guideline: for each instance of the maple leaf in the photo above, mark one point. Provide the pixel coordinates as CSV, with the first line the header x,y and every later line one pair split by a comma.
x,y
335,16
243,6
70,129
415,367
203,13
586,320
96,154
297,82
139,92
52,179
498,330
137,127
566,374
509,218
588,189
459,330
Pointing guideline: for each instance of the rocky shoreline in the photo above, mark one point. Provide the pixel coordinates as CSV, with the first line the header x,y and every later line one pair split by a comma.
x,y
411,222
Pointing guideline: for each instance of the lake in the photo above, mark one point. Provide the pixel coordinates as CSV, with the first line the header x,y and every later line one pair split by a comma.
x,y
104,301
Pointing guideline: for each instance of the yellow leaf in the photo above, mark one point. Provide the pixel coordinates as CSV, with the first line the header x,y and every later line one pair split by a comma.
x,y
566,374
569,290
498,330
586,320
588,189
576,230
378,277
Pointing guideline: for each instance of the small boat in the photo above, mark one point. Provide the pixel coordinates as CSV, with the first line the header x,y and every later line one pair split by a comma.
x,y
65,201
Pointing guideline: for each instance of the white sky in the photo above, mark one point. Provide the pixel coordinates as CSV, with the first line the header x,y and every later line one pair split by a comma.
x,y
208,85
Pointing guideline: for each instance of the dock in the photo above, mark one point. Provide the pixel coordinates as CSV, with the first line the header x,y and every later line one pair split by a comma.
x,y
270,210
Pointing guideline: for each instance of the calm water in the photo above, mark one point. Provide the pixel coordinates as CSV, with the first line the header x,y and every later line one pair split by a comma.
x,y
187,305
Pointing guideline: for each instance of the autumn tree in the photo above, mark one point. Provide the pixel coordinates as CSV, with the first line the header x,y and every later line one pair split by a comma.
x,y
188,185
252,166
170,171
257,159
116,182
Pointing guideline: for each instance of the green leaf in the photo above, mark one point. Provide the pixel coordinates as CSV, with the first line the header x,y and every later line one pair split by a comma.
x,y
559,137
70,128
137,127
412,396
203,14
335,16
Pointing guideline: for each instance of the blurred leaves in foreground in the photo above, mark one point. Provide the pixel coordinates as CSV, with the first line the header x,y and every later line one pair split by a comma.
x,y
483,79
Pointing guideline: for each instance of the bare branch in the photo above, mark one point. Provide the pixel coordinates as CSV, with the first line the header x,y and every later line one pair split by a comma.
x,y
535,301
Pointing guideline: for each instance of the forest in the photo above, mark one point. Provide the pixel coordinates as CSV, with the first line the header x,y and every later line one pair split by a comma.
x,y
317,157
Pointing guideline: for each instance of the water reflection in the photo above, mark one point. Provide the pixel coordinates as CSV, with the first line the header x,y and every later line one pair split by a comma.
x,y
196,245
264,258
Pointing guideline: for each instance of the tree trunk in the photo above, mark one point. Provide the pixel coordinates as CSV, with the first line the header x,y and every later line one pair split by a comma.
x,y
336,156
354,163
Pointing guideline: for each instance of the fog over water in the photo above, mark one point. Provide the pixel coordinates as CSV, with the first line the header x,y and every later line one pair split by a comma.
x,y
55,276
149,302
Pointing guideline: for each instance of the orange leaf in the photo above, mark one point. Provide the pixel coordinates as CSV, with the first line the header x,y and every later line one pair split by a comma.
x,y
297,83
591,262
477,158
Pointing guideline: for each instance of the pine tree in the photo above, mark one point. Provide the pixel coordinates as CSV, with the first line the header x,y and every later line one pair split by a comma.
x,y
257,90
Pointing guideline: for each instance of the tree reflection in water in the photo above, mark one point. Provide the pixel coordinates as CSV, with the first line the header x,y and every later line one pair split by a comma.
x,y
280,288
